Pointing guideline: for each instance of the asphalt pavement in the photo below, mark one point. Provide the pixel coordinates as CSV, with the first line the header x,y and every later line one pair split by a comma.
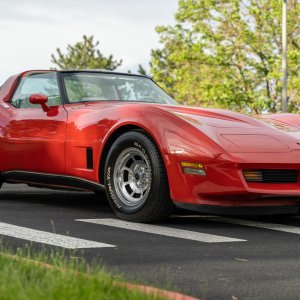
x,y
210,257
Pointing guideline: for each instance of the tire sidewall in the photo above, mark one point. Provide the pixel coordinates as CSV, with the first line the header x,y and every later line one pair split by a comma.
x,y
131,140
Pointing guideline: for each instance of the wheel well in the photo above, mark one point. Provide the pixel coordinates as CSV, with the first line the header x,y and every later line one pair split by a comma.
x,y
109,143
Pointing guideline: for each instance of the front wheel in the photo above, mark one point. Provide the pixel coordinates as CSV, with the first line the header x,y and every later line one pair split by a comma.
x,y
136,180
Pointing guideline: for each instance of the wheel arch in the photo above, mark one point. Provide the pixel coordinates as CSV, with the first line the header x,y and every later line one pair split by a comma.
x,y
113,137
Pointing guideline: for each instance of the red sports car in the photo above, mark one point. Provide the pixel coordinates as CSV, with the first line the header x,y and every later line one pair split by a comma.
x,y
94,130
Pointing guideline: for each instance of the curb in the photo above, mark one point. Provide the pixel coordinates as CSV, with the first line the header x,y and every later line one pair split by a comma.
x,y
149,290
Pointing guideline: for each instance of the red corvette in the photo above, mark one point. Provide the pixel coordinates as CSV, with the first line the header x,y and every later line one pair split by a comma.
x,y
94,130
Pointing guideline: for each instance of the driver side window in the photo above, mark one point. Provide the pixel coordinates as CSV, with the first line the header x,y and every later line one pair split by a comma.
x,y
37,83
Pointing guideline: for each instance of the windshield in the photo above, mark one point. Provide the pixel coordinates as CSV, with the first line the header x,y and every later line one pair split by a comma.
x,y
85,86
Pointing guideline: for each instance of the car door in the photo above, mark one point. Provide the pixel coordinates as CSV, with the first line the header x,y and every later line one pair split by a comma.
x,y
34,138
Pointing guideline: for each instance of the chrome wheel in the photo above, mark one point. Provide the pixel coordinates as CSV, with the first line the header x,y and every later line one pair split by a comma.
x,y
135,179
132,177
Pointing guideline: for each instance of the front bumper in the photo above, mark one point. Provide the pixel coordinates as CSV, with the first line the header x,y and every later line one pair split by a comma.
x,y
224,184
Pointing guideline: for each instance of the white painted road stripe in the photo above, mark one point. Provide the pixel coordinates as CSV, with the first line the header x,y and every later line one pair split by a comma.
x,y
166,231
48,237
264,225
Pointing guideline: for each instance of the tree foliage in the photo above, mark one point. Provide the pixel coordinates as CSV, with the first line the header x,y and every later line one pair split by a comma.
x,y
228,54
84,55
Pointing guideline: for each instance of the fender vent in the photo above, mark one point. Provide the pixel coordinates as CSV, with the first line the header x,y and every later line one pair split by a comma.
x,y
89,158
271,176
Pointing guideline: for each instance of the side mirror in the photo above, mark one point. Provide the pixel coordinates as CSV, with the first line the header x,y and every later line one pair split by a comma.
x,y
40,99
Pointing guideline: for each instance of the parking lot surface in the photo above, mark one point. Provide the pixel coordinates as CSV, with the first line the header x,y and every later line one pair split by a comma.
x,y
207,256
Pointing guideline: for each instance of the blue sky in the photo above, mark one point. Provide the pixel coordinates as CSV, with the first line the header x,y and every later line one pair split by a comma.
x,y
31,30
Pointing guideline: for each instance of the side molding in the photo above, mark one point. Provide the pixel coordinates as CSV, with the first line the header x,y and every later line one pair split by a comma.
x,y
51,180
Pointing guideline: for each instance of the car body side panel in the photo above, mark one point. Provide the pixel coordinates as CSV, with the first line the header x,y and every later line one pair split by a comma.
x,y
31,140
90,126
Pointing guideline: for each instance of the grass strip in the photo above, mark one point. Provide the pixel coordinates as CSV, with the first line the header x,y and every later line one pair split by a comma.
x,y
56,277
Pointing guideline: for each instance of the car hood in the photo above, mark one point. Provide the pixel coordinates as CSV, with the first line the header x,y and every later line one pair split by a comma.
x,y
237,132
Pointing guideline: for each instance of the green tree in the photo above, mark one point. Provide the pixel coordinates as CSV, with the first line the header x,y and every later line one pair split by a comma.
x,y
84,55
142,70
228,54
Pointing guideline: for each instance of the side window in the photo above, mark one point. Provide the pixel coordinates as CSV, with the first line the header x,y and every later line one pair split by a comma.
x,y
38,83
89,88
83,91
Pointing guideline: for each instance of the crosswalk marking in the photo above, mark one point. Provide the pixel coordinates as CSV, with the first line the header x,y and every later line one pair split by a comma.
x,y
48,237
165,231
257,224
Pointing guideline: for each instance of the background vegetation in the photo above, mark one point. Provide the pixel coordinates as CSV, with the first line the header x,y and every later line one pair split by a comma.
x,y
217,54
84,55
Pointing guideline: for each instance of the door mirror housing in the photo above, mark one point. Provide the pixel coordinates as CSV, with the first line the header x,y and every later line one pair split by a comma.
x,y
40,99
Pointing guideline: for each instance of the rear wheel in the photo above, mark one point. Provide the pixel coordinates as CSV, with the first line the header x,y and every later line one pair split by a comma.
x,y
136,180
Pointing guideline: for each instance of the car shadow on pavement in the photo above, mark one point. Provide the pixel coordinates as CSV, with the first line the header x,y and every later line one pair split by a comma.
x,y
59,198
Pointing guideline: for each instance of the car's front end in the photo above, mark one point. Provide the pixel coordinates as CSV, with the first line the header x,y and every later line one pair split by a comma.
x,y
253,167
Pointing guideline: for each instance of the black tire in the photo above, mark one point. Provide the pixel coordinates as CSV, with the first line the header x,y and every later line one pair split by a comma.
x,y
156,204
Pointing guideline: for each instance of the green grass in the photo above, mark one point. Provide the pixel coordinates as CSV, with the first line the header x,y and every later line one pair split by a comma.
x,y
54,276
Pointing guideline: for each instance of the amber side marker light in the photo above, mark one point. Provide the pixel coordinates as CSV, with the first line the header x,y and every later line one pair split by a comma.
x,y
253,176
193,168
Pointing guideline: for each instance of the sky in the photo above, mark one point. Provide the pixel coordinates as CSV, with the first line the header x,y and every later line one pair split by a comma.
x,y
31,30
